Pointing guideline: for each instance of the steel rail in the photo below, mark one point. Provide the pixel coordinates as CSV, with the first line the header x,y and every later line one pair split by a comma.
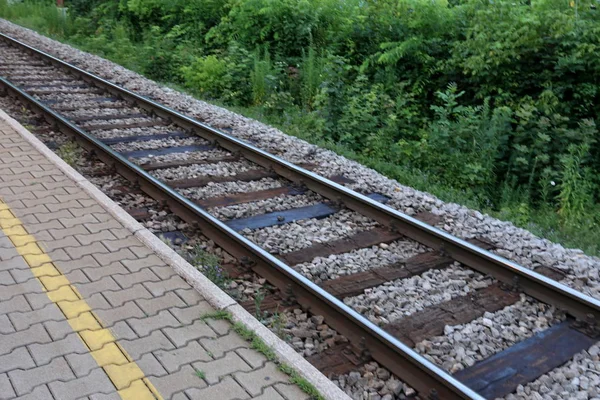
x,y
536,285
415,370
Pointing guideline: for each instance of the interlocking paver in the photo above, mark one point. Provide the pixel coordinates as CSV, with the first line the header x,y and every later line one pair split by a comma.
x,y
88,238
135,264
291,392
254,358
215,369
143,326
100,286
96,249
43,353
110,257
188,314
5,325
72,231
227,389
269,394
25,380
185,378
16,303
223,344
120,297
173,283
112,315
39,393
23,320
183,334
127,280
154,342
6,390
72,265
34,334
166,302
95,382
257,380
9,291
174,359
19,358
163,271
115,268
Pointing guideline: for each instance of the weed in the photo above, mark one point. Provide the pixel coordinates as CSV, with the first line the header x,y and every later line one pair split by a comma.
x,y
200,374
208,264
257,344
69,152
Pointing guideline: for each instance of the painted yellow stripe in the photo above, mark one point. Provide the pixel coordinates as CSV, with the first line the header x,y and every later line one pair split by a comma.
x,y
125,374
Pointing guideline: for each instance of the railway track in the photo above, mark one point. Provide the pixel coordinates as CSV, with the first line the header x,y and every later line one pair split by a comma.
x,y
171,158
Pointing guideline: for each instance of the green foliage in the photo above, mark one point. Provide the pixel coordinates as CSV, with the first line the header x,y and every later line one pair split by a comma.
x,y
493,104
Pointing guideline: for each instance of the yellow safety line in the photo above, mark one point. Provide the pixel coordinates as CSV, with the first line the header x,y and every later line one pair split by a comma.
x,y
125,374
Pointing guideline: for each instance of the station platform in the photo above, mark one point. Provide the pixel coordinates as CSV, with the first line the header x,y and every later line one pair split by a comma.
x,y
88,311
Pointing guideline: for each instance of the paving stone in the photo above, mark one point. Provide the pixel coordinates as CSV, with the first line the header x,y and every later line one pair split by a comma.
x,y
94,227
269,394
23,320
58,216
257,380
110,257
118,298
150,365
128,310
100,286
9,291
43,353
219,346
186,378
54,244
17,359
134,264
122,331
252,357
163,271
82,364
6,390
166,302
65,205
227,389
6,278
160,288
37,300
190,296
154,342
143,326
114,244
73,265
183,334
16,303
188,314
102,396
95,273
86,220
291,392
144,275
174,359
34,334
88,238
221,326
25,380
141,250
79,212
96,250
96,381
215,369
13,264
5,325
74,230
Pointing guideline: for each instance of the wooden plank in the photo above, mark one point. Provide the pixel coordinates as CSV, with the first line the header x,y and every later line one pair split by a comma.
x,y
355,284
139,214
357,241
337,360
320,210
145,138
246,176
107,117
242,198
166,150
431,321
176,164
142,124
526,361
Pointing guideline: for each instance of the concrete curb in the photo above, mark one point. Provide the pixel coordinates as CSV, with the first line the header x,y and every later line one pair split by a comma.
x,y
211,292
